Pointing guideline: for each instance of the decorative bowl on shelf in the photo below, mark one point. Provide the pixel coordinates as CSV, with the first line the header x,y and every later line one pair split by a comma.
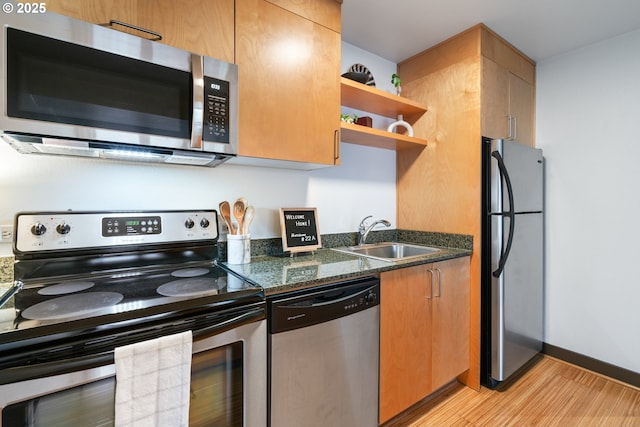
x,y
356,76
361,74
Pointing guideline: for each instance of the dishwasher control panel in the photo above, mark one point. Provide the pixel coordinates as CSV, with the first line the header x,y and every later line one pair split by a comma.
x,y
317,305
362,300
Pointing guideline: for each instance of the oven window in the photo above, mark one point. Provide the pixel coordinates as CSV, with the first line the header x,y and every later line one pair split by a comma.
x,y
216,387
216,397
56,81
86,405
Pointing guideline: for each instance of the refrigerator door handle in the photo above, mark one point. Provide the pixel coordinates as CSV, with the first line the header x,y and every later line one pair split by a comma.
x,y
509,214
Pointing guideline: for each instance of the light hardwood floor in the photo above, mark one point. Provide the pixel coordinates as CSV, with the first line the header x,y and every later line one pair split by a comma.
x,y
551,393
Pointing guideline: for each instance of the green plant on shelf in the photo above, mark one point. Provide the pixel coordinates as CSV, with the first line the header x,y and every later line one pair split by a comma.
x,y
396,81
348,118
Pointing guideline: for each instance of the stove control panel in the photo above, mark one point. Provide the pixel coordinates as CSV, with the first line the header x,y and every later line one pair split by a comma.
x,y
55,231
131,225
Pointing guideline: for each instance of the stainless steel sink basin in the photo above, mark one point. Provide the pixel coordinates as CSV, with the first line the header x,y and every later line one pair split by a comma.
x,y
389,251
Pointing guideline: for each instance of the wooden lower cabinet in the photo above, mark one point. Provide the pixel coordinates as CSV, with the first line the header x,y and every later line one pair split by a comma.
x,y
424,331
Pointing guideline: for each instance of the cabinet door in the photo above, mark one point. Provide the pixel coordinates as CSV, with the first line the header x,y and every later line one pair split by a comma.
x,y
450,321
405,339
521,107
495,100
96,11
504,94
326,13
289,72
199,26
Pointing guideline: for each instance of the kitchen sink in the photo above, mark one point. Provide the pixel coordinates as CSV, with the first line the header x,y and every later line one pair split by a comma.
x,y
388,251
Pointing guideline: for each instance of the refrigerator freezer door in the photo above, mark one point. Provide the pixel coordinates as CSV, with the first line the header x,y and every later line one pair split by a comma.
x,y
516,295
525,169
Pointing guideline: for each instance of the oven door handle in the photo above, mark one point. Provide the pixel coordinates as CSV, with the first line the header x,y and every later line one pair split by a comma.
x,y
245,318
58,367
96,360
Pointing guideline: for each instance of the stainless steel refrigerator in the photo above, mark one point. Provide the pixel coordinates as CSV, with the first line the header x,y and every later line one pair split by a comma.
x,y
512,258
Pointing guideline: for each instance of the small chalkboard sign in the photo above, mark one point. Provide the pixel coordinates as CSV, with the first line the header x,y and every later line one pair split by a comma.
x,y
300,231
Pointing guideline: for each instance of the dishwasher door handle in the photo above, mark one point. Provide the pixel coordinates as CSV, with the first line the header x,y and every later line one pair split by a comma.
x,y
324,300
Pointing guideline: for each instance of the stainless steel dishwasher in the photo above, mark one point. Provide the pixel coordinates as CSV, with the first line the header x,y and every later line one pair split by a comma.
x,y
324,356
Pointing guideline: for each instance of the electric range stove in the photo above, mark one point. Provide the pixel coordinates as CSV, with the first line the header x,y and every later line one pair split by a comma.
x,y
78,272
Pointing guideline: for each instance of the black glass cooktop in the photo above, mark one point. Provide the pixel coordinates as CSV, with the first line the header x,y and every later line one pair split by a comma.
x,y
92,292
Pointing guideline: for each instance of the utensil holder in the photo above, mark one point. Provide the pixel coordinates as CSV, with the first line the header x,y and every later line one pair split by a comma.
x,y
238,248
234,282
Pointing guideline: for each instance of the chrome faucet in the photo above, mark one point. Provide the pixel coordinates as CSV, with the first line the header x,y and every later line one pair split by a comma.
x,y
363,230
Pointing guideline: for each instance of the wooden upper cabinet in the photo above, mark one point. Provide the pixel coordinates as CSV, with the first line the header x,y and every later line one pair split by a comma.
x,y
495,100
289,74
508,91
325,13
200,26
507,104
521,109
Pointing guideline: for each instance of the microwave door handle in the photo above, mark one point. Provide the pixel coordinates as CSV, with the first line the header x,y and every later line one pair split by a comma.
x,y
197,116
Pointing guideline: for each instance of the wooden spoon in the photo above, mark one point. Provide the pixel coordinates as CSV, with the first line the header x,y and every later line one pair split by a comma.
x,y
248,217
225,212
239,207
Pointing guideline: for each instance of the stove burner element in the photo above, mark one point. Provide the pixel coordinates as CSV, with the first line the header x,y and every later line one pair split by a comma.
x,y
191,287
190,272
65,288
72,305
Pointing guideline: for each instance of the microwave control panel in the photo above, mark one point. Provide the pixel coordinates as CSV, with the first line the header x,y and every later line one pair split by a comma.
x,y
216,110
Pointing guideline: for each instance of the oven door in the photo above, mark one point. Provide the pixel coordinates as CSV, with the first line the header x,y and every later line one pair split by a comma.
x,y
228,382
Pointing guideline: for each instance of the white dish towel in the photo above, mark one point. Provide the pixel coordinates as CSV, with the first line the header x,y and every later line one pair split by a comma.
x,y
152,382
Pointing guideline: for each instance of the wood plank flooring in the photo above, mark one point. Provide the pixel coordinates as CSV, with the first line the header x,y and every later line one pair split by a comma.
x,y
551,393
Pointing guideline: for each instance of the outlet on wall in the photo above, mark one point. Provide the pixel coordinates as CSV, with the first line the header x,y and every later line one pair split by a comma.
x,y
7,232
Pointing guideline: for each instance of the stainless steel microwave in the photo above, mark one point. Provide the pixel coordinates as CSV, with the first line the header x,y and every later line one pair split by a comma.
x,y
79,89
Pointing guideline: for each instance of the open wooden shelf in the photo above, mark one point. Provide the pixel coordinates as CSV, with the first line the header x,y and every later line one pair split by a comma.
x,y
363,135
366,98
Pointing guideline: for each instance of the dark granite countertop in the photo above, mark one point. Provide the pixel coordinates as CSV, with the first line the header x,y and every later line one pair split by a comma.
x,y
278,273
6,269
6,277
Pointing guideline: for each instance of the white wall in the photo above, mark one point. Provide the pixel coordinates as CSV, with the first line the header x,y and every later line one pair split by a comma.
x,y
363,184
588,109
380,69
